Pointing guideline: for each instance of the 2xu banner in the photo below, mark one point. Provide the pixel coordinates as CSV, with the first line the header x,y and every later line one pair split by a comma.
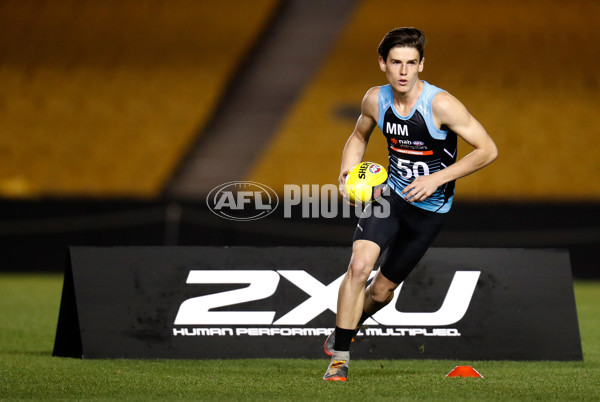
x,y
240,302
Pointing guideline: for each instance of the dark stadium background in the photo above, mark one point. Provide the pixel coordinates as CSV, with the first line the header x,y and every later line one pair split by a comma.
x,y
118,117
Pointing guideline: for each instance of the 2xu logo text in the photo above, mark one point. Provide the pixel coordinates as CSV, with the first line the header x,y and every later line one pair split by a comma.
x,y
263,284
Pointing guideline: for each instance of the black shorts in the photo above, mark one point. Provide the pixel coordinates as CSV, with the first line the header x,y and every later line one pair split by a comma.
x,y
405,235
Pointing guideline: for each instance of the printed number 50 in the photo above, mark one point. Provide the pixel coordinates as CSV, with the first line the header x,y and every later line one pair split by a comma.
x,y
407,173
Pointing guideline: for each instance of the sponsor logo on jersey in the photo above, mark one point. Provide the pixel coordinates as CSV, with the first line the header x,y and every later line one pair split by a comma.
x,y
411,151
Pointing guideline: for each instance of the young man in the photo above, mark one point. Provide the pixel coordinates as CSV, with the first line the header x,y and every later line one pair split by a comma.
x,y
421,124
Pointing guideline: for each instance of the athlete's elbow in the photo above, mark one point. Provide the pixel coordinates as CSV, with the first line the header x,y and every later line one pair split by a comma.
x,y
492,154
489,154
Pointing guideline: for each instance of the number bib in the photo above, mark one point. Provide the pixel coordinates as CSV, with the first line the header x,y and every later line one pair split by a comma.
x,y
417,147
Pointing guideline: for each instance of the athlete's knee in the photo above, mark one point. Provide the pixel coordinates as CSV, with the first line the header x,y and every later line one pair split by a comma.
x,y
381,290
360,269
380,295
364,257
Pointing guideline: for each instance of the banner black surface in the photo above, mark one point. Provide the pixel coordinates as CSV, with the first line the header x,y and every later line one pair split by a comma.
x,y
240,302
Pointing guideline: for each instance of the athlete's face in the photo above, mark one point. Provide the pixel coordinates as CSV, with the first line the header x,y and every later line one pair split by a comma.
x,y
402,68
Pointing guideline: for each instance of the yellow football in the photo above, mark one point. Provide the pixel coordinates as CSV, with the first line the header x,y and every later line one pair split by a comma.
x,y
361,180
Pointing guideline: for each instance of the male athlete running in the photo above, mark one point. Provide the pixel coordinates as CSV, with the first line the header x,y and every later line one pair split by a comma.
x,y
421,123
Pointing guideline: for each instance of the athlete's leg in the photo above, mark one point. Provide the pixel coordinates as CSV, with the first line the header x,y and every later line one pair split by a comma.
x,y
372,235
352,289
419,229
350,306
408,249
378,294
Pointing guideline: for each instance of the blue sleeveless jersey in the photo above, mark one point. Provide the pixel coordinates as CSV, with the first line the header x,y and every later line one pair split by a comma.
x,y
416,146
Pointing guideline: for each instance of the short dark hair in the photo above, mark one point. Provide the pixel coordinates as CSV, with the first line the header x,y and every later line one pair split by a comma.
x,y
402,37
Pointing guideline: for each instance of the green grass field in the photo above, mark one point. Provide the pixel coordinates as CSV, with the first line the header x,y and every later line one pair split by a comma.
x,y
29,311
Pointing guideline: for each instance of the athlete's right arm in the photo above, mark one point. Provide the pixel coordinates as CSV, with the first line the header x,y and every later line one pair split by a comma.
x,y
355,147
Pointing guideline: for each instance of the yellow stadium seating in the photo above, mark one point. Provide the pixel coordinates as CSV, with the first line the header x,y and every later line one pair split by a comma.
x,y
103,98
528,70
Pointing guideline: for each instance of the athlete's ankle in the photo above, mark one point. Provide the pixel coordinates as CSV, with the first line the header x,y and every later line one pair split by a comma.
x,y
340,355
343,339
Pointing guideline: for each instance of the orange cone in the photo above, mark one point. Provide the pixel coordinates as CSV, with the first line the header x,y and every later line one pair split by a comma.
x,y
464,371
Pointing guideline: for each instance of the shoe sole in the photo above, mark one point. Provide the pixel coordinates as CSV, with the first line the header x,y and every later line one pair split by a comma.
x,y
336,379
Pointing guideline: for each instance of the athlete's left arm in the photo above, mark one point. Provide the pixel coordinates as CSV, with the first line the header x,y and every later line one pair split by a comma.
x,y
451,113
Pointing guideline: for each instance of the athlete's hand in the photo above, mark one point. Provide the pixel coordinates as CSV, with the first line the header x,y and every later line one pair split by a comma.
x,y
421,188
342,184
